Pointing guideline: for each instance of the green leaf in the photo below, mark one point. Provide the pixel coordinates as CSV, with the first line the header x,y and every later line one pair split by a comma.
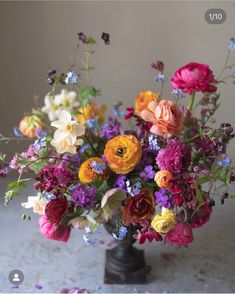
x,y
88,92
203,180
14,189
37,166
232,196
199,195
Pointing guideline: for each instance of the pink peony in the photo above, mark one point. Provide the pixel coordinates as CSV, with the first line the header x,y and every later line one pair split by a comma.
x,y
181,234
175,158
50,231
194,77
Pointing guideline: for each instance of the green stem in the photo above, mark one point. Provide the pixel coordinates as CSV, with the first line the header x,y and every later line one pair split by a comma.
x,y
91,145
15,139
185,215
191,101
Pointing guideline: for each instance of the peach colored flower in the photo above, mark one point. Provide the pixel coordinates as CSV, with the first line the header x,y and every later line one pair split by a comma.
x,y
165,116
163,178
143,99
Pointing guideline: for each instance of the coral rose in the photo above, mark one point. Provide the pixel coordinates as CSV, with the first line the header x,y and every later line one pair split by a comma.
x,y
139,208
181,234
164,178
165,222
194,77
29,125
50,231
165,116
55,209
123,153
143,99
92,169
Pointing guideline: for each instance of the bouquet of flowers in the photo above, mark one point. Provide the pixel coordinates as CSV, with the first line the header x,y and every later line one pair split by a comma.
x,y
159,175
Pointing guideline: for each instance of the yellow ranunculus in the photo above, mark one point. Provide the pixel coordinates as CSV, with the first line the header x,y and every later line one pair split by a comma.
x,y
123,153
165,222
143,99
92,110
88,171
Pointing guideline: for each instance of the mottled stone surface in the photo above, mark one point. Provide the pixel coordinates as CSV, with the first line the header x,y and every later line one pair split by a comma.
x,y
208,265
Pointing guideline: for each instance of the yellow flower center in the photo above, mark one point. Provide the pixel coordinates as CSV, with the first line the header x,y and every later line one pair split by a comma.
x,y
68,128
64,144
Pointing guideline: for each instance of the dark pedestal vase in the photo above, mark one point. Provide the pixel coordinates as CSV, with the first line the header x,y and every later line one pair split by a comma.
x,y
124,264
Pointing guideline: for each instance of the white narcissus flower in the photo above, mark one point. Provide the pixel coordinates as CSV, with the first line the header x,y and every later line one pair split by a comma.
x,y
67,133
37,203
51,108
66,100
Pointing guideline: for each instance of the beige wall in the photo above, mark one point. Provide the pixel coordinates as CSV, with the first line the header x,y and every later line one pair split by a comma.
x,y
36,35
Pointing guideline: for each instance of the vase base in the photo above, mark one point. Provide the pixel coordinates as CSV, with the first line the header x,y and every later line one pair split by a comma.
x,y
130,273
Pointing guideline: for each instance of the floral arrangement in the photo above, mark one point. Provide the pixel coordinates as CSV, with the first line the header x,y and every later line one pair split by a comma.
x,y
160,175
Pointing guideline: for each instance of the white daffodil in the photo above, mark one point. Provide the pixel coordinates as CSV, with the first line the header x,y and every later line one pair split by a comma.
x,y
67,133
37,203
66,100
64,145
51,108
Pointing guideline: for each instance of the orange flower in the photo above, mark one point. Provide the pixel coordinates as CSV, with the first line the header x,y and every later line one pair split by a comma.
x,y
164,178
91,169
165,116
92,110
123,153
29,124
143,99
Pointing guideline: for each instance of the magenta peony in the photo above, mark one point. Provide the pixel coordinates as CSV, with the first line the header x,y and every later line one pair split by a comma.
x,y
175,158
50,231
194,77
181,234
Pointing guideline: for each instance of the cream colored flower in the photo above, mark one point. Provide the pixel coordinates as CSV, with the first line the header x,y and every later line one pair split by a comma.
x,y
64,101
37,203
50,107
67,133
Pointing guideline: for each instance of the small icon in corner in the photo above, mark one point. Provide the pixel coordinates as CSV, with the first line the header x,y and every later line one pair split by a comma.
x,y
16,277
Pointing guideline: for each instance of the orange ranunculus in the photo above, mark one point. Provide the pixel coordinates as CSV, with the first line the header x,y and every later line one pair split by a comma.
x,y
143,99
92,110
139,208
164,178
165,116
29,124
89,171
123,153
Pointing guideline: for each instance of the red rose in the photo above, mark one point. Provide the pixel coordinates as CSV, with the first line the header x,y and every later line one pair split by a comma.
x,y
201,216
181,234
139,208
55,209
194,77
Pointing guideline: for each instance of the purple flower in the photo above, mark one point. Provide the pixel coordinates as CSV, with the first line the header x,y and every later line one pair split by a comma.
x,y
111,129
121,183
176,157
83,196
4,170
163,199
17,132
134,189
148,173
153,144
82,37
